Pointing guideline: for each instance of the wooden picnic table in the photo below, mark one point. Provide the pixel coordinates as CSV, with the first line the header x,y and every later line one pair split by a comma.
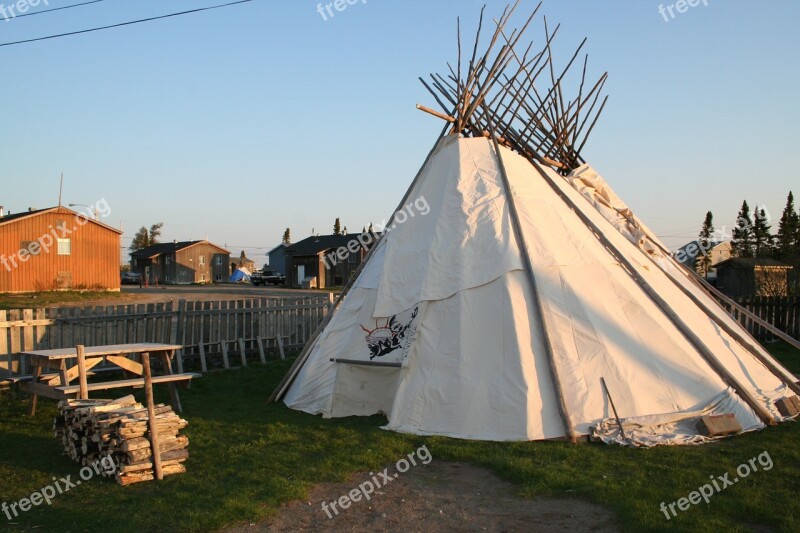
x,y
52,377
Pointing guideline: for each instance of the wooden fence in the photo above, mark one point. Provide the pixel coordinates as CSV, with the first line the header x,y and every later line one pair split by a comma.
x,y
212,333
783,312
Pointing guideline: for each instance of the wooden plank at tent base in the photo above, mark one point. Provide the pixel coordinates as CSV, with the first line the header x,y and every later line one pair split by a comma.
x,y
789,406
719,425
367,363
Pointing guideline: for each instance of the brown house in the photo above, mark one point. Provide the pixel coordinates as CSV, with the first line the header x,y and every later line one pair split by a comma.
x,y
740,277
182,263
243,262
326,260
57,248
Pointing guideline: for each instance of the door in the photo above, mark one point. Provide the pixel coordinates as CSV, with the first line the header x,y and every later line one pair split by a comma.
x,y
301,274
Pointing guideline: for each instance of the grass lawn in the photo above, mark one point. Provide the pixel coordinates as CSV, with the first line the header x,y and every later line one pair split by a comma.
x,y
32,300
247,457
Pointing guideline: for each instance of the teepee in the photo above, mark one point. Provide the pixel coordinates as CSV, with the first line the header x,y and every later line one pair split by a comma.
x,y
527,301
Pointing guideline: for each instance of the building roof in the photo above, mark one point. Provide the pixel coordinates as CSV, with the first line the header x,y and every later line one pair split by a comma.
x,y
59,209
320,243
750,262
169,248
281,245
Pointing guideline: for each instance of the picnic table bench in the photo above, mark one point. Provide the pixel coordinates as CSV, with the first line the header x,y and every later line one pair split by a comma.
x,y
58,384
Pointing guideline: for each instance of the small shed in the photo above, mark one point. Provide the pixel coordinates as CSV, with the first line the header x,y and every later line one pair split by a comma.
x,y
746,276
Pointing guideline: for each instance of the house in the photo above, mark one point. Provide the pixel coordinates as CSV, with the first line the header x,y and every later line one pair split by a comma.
x,y
326,260
243,263
57,248
277,258
742,277
182,262
720,251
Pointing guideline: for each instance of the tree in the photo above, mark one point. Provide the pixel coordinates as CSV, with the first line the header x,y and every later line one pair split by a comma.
x,y
145,237
287,237
743,233
787,240
702,263
337,227
762,238
155,233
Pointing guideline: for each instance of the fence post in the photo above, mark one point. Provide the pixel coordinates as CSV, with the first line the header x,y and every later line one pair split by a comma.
x,y
178,329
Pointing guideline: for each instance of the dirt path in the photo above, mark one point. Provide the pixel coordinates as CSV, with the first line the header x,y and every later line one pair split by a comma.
x,y
439,496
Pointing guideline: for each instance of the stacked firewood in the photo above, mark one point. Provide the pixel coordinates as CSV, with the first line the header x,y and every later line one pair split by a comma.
x,y
92,430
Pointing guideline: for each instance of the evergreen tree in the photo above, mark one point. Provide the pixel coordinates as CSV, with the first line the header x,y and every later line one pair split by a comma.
x,y
743,233
702,263
287,237
145,237
787,239
762,238
141,240
337,227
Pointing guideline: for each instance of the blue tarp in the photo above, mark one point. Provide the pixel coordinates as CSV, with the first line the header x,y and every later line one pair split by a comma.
x,y
239,276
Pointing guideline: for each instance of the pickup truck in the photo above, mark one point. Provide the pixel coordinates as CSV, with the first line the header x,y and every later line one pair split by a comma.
x,y
267,277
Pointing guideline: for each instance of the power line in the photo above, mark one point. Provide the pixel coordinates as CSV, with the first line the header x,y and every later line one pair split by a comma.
x,y
54,9
218,6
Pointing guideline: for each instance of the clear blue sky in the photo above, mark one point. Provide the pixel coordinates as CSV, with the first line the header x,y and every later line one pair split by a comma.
x,y
236,123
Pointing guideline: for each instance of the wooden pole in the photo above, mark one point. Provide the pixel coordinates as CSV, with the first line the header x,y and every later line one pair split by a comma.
x,y
151,415
288,379
751,347
613,408
545,327
84,387
689,334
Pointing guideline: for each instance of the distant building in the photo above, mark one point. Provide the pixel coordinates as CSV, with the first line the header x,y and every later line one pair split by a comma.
x,y
277,258
182,263
324,260
720,251
57,248
243,263
741,277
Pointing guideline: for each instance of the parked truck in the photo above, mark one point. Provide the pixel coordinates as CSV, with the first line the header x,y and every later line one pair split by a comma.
x,y
267,277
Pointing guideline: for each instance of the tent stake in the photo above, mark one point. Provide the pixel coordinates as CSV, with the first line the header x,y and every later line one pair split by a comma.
x,y
613,408
656,298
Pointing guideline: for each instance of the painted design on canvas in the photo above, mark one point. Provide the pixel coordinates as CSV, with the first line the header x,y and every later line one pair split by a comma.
x,y
391,336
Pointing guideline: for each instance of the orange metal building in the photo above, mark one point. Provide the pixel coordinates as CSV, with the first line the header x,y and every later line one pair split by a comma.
x,y
57,248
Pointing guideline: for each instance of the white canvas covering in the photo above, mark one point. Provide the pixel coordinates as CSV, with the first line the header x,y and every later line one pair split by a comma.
x,y
446,297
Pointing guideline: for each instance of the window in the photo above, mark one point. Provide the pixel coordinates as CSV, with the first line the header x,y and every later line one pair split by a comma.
x,y
202,277
202,260
31,247
168,259
64,247
219,261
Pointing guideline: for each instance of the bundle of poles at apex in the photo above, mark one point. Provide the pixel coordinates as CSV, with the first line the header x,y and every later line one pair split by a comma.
x,y
497,92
